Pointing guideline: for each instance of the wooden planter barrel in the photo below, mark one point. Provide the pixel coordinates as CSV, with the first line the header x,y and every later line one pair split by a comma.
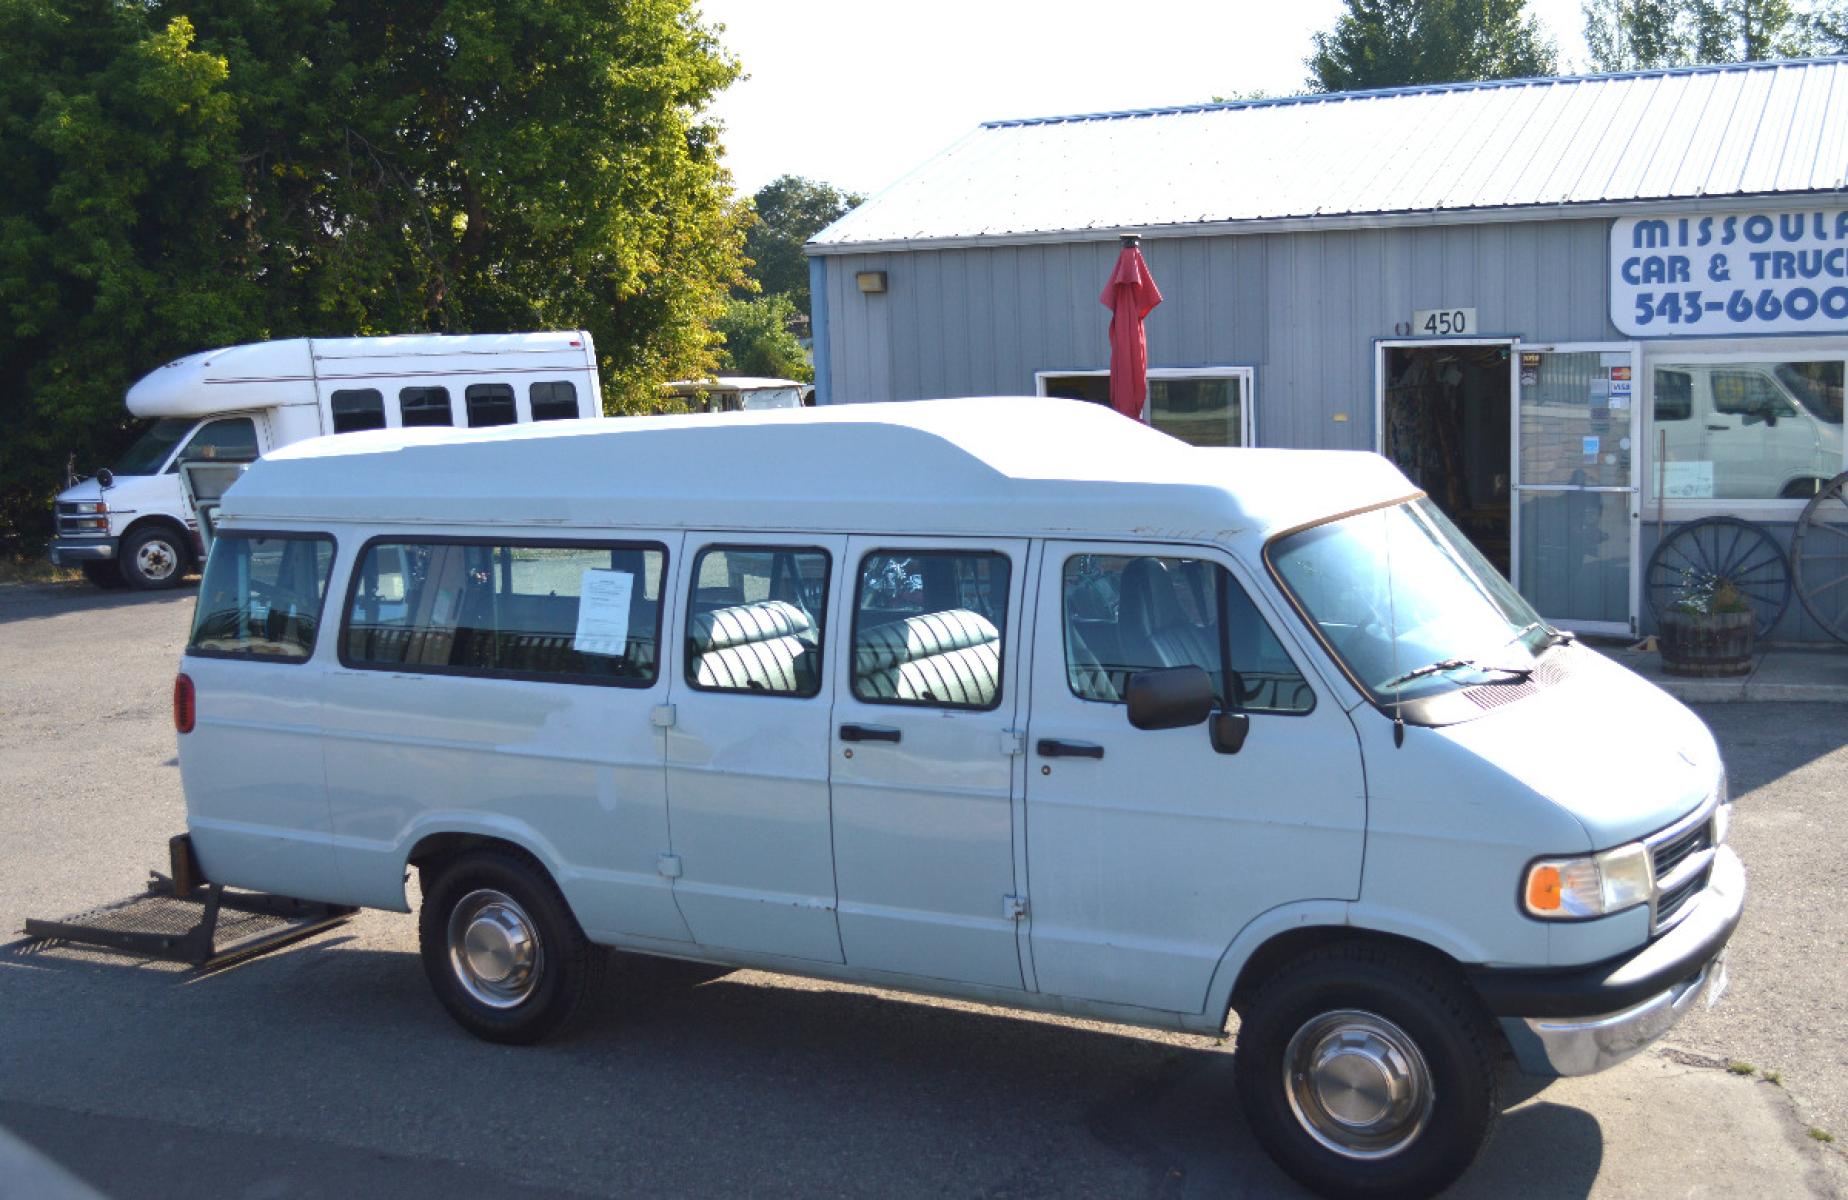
x,y
1706,644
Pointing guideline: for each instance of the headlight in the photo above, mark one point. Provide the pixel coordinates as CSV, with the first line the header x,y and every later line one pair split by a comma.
x,y
89,506
1593,886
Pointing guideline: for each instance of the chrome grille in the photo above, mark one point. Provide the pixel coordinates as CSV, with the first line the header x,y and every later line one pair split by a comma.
x,y
1675,851
1681,858
1671,902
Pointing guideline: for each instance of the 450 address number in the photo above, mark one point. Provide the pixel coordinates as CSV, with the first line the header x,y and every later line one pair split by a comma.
x,y
1689,306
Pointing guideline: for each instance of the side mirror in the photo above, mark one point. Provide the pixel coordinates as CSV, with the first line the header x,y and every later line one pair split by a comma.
x,y
1170,698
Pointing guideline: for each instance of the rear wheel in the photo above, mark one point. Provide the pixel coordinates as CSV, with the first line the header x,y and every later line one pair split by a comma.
x,y
154,557
502,950
104,573
1368,1071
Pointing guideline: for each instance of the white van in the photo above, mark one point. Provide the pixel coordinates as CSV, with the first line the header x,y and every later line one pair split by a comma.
x,y
1011,700
1768,431
739,393
131,524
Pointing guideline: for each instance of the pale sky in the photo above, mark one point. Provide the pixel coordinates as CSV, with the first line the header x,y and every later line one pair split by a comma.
x,y
857,93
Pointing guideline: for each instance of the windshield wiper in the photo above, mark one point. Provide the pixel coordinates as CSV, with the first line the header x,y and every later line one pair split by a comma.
x,y
1455,664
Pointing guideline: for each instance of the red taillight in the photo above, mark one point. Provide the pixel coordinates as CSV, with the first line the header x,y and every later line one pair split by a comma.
x,y
183,707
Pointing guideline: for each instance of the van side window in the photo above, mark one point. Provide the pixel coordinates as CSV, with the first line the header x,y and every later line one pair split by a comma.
x,y
232,439
1674,395
262,596
1747,394
424,406
355,409
756,619
928,628
1126,614
553,401
489,404
574,613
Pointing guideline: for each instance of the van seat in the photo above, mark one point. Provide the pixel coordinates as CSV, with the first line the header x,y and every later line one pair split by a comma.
x,y
949,657
765,646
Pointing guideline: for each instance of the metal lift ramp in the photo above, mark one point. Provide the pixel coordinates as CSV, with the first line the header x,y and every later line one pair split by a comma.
x,y
182,917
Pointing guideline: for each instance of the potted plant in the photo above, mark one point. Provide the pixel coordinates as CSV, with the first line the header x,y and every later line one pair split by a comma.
x,y
1708,631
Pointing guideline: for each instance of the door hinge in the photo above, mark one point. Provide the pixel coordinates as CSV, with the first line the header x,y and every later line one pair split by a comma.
x,y
668,865
661,716
1013,742
1014,907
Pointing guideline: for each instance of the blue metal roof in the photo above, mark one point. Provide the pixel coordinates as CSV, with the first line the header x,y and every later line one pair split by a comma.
x,y
1428,154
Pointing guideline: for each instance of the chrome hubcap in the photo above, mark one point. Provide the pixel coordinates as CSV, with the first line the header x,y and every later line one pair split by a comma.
x,y
494,948
1357,1083
156,560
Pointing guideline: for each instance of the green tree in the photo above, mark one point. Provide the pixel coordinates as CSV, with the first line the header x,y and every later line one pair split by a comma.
x,y
1399,43
190,173
758,341
1625,35
789,211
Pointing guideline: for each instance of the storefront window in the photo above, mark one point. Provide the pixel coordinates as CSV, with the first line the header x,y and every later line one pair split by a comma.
x,y
1202,407
1760,430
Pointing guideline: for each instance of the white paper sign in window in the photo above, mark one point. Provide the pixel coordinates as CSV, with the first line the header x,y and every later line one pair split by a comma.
x,y
1687,480
603,613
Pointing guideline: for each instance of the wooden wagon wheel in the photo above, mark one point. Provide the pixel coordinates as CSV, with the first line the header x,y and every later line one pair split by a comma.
x,y
1712,548
1819,554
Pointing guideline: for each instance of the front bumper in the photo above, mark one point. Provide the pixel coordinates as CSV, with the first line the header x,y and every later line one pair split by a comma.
x,y
1583,1019
65,551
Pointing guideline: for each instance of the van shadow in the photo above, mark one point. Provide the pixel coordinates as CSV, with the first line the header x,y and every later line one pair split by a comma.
x,y
730,1079
1764,742
39,601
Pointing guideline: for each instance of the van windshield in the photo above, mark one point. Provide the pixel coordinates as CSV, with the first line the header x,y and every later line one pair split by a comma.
x,y
1407,604
149,453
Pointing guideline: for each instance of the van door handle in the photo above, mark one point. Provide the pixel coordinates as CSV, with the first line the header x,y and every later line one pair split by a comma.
x,y
1719,428
868,733
1055,748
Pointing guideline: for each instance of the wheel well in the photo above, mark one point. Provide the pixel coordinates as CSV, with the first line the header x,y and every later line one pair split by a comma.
x,y
1285,948
140,523
431,852
1803,487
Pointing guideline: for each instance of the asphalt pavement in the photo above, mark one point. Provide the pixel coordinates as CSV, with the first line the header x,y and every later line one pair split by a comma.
x,y
327,1069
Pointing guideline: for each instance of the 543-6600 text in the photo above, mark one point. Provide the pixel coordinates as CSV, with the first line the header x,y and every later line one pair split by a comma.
x,y
1689,306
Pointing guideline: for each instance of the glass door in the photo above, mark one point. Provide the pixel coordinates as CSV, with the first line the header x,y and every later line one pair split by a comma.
x,y
1576,433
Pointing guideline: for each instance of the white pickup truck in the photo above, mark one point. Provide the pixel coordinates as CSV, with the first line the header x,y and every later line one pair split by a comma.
x,y
131,524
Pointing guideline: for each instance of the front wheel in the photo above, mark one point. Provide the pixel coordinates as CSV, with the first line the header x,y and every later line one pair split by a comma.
x,y
1367,1071
153,558
502,950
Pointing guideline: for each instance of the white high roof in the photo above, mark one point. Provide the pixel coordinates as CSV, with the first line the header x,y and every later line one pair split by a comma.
x,y
1472,151
262,374
998,466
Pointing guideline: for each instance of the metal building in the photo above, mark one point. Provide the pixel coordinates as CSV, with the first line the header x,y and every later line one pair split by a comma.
x,y
1577,311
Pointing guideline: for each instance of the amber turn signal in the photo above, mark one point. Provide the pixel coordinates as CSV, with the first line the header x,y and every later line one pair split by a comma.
x,y
1543,889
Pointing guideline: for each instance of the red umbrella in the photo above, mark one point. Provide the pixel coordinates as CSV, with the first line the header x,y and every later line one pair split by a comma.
x,y
1130,296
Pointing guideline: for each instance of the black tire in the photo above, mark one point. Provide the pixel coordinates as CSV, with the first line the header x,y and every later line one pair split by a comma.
x,y
105,574
564,969
1353,999
154,557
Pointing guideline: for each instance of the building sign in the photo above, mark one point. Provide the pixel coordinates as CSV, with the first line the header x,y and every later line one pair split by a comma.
x,y
1444,322
1731,274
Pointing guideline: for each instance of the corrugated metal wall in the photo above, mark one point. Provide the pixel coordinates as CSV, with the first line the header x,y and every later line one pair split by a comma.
x,y
1304,309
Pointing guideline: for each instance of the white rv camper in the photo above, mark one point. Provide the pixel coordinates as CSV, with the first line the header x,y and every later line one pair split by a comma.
x,y
131,524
